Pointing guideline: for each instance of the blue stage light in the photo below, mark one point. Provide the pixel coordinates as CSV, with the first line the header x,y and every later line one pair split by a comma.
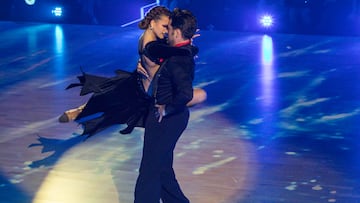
x,y
30,2
267,21
57,11
143,11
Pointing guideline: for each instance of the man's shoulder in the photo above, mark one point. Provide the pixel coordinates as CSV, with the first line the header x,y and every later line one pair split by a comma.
x,y
180,60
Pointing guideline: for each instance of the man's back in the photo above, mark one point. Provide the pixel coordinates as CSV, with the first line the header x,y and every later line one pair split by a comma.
x,y
174,81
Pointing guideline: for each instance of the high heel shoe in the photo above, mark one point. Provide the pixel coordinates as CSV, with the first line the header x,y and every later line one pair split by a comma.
x,y
70,115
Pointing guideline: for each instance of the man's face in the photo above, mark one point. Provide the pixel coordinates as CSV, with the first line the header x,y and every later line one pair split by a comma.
x,y
171,35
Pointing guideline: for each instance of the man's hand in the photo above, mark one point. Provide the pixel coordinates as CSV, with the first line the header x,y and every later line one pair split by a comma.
x,y
161,111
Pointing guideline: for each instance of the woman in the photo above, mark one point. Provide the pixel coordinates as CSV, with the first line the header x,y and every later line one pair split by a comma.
x,y
155,28
124,84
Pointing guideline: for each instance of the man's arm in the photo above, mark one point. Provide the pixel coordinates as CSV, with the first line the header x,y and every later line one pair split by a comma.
x,y
158,50
182,78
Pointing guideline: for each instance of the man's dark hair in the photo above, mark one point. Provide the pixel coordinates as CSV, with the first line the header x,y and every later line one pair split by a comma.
x,y
185,21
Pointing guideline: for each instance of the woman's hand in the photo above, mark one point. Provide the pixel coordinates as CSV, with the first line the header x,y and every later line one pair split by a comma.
x,y
140,69
197,34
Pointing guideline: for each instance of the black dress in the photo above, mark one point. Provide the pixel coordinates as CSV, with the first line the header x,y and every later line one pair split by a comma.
x,y
120,99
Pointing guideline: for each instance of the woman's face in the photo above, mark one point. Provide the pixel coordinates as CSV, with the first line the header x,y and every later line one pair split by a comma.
x,y
160,26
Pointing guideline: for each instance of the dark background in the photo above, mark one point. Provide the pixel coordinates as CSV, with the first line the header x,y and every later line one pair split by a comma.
x,y
333,17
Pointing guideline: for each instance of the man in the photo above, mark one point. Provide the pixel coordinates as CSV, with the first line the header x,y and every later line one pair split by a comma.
x,y
168,117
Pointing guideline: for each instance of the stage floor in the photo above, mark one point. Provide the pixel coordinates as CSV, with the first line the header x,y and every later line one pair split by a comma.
x,y
281,122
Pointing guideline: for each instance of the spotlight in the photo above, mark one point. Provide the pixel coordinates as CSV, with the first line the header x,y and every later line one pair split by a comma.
x,y
267,21
30,2
57,11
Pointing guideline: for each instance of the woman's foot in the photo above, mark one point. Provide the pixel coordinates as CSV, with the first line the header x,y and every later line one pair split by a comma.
x,y
70,115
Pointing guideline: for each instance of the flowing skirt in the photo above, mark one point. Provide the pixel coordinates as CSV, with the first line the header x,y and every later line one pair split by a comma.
x,y
116,100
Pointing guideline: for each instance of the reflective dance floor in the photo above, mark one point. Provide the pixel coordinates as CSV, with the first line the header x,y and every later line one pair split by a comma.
x,y
281,122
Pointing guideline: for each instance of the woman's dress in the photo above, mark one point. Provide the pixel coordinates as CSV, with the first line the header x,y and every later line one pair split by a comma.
x,y
121,99
115,100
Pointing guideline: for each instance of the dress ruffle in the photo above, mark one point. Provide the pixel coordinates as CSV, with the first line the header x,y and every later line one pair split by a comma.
x,y
115,100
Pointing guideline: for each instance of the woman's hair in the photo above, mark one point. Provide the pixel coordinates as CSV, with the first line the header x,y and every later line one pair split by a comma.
x,y
153,14
185,21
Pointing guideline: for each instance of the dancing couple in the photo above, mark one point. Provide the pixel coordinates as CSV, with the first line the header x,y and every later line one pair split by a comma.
x,y
155,96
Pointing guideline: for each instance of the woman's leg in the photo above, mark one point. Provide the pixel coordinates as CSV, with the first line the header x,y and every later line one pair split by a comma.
x,y
199,97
